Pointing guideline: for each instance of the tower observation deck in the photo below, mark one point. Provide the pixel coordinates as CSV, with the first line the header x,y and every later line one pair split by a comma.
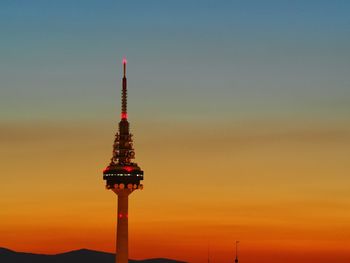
x,y
123,176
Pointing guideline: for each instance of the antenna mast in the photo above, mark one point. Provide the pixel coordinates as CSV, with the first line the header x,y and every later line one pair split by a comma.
x,y
124,114
208,253
236,260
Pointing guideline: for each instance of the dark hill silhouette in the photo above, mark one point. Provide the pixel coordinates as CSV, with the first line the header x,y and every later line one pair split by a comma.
x,y
75,256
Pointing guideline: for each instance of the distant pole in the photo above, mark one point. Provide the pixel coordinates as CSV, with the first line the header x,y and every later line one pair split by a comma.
x,y
208,254
236,260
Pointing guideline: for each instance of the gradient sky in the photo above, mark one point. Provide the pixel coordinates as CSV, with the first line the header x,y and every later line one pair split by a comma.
x,y
240,111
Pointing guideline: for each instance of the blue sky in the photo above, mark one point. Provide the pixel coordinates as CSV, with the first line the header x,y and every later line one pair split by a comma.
x,y
187,59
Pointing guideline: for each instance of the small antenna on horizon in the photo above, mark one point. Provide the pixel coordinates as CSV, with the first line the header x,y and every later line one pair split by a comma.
x,y
208,253
236,260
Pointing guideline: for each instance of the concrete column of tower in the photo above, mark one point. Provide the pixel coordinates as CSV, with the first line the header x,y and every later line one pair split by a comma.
x,y
122,226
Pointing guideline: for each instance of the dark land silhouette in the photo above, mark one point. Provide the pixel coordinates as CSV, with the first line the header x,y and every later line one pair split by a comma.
x,y
75,256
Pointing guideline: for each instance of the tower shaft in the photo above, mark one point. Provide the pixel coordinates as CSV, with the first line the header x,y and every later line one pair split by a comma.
x,y
122,226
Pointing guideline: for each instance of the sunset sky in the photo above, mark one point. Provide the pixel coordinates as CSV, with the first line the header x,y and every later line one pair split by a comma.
x,y
240,112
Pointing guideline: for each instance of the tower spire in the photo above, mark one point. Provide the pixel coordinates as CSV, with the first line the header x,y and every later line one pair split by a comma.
x,y
124,114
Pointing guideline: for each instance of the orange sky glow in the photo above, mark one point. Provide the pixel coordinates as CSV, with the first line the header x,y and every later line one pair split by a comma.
x,y
283,204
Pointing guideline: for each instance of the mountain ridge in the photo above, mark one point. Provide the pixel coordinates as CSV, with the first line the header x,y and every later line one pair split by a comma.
x,y
73,256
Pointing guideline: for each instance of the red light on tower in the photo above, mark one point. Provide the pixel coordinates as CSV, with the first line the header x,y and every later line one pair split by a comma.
x,y
124,115
128,168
